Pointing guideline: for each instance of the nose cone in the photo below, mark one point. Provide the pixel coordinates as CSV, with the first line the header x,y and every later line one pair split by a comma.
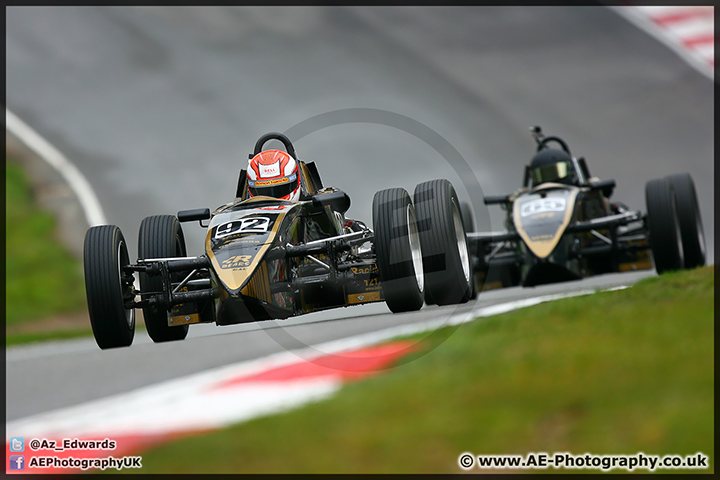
x,y
541,218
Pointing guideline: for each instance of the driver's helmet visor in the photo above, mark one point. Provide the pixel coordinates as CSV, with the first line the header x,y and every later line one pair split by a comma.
x,y
274,187
551,173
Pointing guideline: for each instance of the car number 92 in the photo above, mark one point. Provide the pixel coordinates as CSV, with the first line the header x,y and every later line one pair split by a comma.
x,y
243,225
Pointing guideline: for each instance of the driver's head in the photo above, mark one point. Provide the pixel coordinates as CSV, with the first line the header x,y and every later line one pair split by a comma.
x,y
552,165
273,173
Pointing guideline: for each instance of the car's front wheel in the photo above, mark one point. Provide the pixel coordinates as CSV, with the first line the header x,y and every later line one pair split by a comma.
x,y
688,212
663,225
446,258
160,236
398,252
107,287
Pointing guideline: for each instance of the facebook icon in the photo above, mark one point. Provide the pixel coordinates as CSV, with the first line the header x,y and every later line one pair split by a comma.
x,y
17,462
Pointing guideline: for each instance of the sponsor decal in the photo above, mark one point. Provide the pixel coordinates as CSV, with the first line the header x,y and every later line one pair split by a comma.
x,y
274,181
542,205
542,238
270,170
364,270
237,261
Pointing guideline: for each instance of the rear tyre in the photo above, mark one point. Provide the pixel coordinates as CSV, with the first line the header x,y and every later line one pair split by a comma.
x,y
104,256
398,251
688,213
446,257
663,226
160,236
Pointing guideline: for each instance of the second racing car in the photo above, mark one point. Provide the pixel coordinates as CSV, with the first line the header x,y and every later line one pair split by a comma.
x,y
561,225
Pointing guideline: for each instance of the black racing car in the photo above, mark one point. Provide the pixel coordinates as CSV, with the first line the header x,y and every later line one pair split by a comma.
x,y
266,258
561,225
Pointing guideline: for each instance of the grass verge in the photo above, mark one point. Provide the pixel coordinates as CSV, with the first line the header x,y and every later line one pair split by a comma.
x,y
42,278
617,372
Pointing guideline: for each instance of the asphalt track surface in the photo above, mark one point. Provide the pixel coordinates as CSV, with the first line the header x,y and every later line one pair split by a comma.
x,y
159,107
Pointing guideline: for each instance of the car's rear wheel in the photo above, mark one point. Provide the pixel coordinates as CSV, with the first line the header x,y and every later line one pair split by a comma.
x,y
107,287
663,225
160,236
688,213
398,251
446,258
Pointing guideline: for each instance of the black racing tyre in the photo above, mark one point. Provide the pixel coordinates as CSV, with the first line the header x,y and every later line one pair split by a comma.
x,y
446,259
688,212
398,251
104,255
663,226
160,236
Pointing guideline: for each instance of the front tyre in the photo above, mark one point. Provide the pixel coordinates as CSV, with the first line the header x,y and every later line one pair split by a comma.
x,y
446,257
688,213
663,226
397,247
160,236
107,287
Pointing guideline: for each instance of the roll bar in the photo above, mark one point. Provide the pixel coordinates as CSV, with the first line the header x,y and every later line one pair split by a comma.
x,y
542,140
274,136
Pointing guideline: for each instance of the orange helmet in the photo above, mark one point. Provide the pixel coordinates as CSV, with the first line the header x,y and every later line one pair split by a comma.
x,y
274,173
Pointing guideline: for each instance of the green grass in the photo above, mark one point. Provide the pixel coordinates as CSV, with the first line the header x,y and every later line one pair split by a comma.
x,y
42,278
617,372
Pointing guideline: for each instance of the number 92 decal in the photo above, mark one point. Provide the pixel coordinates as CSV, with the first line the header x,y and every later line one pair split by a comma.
x,y
243,225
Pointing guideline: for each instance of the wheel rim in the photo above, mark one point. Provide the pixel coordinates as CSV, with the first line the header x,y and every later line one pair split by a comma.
x,y
461,241
415,252
124,259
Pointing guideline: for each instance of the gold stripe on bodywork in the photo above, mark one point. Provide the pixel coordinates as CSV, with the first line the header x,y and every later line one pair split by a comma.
x,y
543,248
235,279
259,285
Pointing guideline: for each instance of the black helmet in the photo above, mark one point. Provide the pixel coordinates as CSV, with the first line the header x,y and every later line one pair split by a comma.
x,y
552,165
